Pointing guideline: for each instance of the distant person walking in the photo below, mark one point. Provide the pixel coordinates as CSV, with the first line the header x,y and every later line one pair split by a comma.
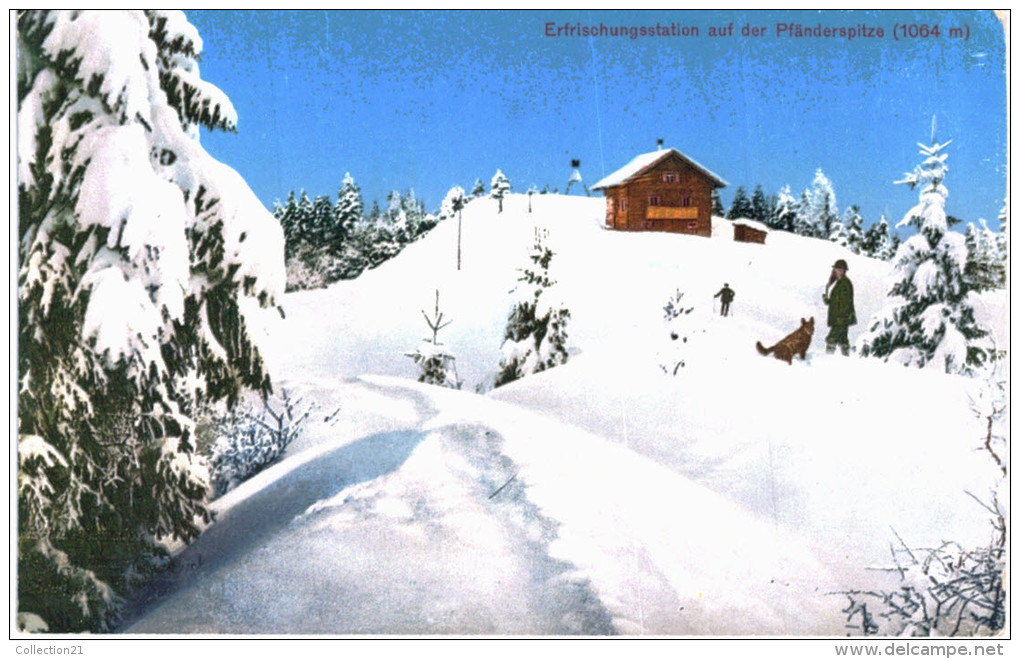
x,y
839,295
726,294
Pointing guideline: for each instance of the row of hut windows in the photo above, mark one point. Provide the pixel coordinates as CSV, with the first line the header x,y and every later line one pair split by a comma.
x,y
654,200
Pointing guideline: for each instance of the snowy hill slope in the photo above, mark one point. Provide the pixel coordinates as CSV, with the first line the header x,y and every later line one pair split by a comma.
x,y
614,284
601,496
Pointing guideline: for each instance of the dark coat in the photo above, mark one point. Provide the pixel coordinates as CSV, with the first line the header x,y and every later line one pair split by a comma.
x,y
727,294
841,303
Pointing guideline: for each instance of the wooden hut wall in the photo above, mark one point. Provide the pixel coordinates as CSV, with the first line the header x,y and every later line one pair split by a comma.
x,y
747,234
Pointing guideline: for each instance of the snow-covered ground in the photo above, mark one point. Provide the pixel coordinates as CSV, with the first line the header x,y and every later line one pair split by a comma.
x,y
598,497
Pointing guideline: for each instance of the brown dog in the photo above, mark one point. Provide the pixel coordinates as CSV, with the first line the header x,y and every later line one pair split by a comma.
x,y
795,343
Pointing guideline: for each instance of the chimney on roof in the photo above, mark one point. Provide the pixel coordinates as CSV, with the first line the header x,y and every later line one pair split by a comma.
x,y
658,144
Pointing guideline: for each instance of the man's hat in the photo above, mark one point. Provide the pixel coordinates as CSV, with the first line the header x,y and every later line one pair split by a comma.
x,y
840,265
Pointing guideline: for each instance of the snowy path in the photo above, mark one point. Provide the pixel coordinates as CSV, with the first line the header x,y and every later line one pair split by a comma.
x,y
323,548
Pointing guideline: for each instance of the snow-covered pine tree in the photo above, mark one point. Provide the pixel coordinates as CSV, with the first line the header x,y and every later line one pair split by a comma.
x,y
499,187
479,189
322,223
536,329
418,222
135,249
717,207
413,214
350,208
818,210
453,204
303,214
759,205
394,218
878,242
785,212
803,221
928,320
437,365
853,224
986,267
741,206
838,234
377,241
288,219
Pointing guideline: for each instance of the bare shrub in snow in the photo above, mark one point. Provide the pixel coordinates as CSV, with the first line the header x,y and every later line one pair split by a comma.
x,y
437,365
673,356
947,590
249,440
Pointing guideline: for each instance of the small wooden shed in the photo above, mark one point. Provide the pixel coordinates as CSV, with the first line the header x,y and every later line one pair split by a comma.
x,y
749,231
663,190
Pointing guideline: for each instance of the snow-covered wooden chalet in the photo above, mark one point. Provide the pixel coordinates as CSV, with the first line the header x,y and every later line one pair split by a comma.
x,y
660,191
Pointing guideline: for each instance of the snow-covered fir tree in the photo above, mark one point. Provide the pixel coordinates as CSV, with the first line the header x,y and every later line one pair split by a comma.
x,y
536,331
287,215
419,221
877,242
928,320
760,210
853,225
350,208
717,207
135,249
436,364
785,213
803,222
479,189
322,228
741,206
499,187
839,235
304,214
986,267
817,211
453,204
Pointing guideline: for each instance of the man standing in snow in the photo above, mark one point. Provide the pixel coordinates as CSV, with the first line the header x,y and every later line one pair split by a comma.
x,y
727,295
839,295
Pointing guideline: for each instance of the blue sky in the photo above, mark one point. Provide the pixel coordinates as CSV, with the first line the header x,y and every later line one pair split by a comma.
x,y
431,99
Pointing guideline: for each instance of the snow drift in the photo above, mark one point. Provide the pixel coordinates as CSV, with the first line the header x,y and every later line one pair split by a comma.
x,y
598,497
